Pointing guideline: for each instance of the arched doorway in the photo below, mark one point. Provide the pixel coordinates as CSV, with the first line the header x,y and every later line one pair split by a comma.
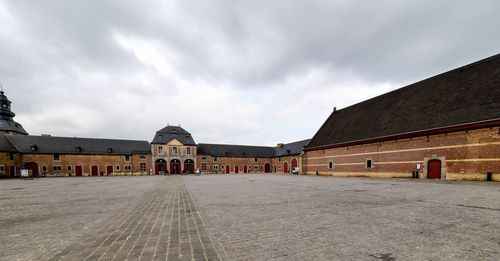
x,y
285,167
160,166
434,169
33,166
294,163
267,168
175,166
189,166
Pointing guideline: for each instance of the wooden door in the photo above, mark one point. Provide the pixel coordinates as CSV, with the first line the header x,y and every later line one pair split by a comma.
x,y
285,167
294,163
109,170
78,171
12,171
228,169
236,169
94,170
434,169
245,169
267,168
33,167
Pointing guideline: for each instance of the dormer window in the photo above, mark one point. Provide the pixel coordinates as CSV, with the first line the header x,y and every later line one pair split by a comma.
x,y
109,150
78,149
34,147
127,157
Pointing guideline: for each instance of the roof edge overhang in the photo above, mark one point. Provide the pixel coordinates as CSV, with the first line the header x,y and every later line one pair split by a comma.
x,y
406,135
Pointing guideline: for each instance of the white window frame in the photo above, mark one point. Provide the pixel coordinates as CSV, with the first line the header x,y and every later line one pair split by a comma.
x,y
371,164
331,165
175,151
128,167
160,150
188,150
142,166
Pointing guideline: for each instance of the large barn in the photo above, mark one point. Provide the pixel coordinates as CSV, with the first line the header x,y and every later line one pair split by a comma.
x,y
444,127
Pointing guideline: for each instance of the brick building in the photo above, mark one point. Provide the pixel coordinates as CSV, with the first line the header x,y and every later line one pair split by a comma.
x,y
444,127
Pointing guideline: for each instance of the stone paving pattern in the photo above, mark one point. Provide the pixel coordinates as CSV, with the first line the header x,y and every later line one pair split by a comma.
x,y
248,217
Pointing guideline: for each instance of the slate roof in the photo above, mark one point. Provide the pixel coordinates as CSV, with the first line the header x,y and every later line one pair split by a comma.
x,y
7,122
293,148
225,150
68,145
169,133
464,95
5,145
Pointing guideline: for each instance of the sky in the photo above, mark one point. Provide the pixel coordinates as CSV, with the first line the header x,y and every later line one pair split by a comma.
x,y
237,72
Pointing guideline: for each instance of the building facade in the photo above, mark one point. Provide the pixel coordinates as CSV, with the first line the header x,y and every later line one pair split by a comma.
x,y
444,127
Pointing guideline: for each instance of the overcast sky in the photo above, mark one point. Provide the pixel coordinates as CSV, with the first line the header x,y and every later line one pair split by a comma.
x,y
247,72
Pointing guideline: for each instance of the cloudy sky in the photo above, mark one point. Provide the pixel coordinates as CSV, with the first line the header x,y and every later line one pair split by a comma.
x,y
248,72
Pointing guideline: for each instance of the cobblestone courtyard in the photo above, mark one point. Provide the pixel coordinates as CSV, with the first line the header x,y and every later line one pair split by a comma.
x,y
248,217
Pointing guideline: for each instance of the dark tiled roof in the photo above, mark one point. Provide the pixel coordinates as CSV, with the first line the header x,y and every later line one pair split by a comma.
x,y
293,148
224,150
7,122
5,145
464,95
169,133
68,145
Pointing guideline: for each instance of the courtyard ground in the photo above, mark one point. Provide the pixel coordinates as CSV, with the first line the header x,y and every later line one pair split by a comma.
x,y
248,217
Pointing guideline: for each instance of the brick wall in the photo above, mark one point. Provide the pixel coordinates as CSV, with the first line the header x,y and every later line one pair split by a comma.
x,y
467,155
46,163
11,166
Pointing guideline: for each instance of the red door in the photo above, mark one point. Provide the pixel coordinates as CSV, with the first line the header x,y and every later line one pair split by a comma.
x,y
294,163
94,170
245,169
434,169
267,168
285,167
12,171
236,169
33,167
175,167
228,169
109,170
78,171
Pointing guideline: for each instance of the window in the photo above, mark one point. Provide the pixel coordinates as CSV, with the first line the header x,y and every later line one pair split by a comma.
x,y
69,168
160,150
203,166
174,150
127,157
222,167
56,168
128,168
44,168
2,169
117,167
215,167
142,157
57,157
330,165
11,156
142,166
255,166
203,158
188,151
369,164
215,159
255,159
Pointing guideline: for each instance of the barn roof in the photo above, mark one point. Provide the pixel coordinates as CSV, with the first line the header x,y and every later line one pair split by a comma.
x,y
469,94
291,148
68,145
170,133
225,150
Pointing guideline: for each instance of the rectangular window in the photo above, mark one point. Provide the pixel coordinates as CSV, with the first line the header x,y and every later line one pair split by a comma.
x,y
117,167
44,168
203,166
160,150
143,166
188,151
2,169
127,157
56,168
11,156
255,160
369,164
330,165
174,150
57,157
215,167
128,168
69,168
215,159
